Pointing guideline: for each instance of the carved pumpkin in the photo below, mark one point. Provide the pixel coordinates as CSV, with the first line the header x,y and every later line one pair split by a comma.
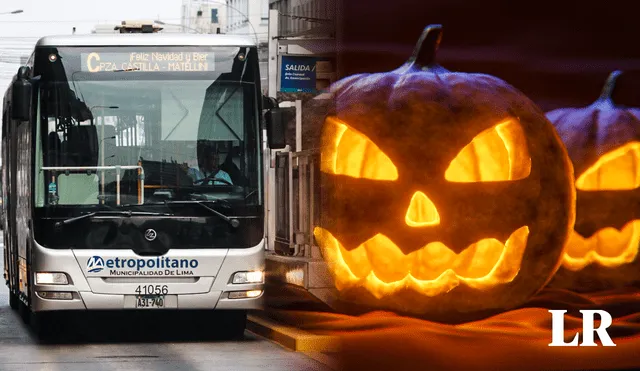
x,y
603,141
444,195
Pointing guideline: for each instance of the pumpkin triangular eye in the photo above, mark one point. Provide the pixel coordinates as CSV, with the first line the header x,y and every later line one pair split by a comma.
x,y
346,151
617,170
497,154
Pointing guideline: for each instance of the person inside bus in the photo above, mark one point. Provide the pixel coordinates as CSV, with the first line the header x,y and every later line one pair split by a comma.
x,y
210,170
231,168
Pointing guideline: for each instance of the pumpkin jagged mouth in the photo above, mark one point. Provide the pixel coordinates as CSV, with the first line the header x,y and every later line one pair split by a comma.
x,y
383,269
620,247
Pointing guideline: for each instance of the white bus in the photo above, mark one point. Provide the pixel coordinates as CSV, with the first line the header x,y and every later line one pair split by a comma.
x,y
133,176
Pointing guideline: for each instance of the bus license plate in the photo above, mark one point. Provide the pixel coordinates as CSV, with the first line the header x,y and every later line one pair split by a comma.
x,y
150,301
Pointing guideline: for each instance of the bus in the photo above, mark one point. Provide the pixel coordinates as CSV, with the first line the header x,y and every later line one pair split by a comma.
x,y
103,138
1,200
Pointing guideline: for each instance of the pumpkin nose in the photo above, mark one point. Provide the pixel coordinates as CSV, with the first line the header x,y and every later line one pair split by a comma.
x,y
421,212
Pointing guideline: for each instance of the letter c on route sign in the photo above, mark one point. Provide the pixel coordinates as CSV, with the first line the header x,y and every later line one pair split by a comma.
x,y
89,58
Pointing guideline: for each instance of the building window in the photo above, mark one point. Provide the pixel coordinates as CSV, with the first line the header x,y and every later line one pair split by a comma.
x,y
214,16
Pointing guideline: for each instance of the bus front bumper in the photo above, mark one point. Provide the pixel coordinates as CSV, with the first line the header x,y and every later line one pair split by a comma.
x,y
80,291
93,301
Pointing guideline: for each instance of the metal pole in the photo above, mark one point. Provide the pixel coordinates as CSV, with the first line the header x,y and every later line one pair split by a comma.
x,y
302,197
312,200
302,200
298,125
290,195
273,53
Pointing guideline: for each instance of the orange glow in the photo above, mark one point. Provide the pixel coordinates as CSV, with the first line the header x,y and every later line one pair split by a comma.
x,y
608,247
421,212
352,154
381,267
496,154
514,340
616,171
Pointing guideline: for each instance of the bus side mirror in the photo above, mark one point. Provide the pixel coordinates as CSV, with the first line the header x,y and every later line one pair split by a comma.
x,y
275,128
21,96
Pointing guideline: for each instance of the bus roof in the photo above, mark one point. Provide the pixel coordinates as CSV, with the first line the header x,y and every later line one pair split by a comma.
x,y
147,39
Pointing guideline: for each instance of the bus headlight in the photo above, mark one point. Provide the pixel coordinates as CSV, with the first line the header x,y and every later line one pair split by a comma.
x,y
248,277
55,295
245,294
47,278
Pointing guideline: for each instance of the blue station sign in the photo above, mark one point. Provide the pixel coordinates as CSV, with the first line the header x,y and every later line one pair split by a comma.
x,y
298,74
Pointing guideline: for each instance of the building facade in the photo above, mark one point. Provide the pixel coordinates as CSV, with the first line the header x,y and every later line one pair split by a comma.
x,y
204,16
248,17
303,49
238,17
306,17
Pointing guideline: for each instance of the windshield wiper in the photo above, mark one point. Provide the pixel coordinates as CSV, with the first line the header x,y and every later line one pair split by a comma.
x,y
110,212
232,221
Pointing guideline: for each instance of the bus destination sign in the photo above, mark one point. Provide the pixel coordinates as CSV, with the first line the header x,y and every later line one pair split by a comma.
x,y
148,62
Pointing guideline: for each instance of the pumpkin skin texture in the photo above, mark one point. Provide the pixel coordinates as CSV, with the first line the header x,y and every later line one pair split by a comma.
x,y
603,141
425,175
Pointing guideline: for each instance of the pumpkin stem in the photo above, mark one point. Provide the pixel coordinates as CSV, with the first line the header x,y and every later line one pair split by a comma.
x,y
424,54
609,86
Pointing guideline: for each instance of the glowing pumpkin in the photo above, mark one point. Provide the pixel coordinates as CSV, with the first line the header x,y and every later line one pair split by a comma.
x,y
447,195
603,141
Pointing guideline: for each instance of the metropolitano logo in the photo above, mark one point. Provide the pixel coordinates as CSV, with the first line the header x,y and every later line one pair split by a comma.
x,y
588,329
95,264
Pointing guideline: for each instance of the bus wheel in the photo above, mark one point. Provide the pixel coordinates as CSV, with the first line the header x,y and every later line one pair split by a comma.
x,y
24,312
234,324
13,300
43,326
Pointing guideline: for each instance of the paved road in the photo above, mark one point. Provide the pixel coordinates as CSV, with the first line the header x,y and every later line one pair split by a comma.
x,y
117,343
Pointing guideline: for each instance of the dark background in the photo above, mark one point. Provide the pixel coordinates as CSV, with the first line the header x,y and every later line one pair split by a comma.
x,y
559,53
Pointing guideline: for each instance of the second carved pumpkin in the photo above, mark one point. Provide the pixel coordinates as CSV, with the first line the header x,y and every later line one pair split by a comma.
x,y
445,195
603,141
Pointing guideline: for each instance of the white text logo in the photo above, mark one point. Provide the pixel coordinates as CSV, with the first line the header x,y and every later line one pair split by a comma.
x,y
588,330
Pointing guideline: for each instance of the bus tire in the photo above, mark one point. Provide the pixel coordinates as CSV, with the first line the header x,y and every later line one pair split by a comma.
x,y
43,326
234,324
13,300
24,311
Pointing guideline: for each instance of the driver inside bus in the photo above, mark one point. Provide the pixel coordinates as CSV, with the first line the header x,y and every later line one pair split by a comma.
x,y
210,170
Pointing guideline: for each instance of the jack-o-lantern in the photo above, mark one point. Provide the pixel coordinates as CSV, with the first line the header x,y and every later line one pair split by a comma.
x,y
603,141
444,195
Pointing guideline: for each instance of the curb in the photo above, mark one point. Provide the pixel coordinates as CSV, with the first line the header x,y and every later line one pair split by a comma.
x,y
291,337
324,359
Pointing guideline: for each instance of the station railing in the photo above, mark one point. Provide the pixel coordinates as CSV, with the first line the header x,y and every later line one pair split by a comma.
x,y
102,169
297,197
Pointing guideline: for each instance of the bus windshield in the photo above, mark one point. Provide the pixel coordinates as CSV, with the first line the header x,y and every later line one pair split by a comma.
x,y
127,126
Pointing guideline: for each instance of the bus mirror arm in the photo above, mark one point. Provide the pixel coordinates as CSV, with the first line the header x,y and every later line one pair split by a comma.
x,y
21,95
275,128
269,102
